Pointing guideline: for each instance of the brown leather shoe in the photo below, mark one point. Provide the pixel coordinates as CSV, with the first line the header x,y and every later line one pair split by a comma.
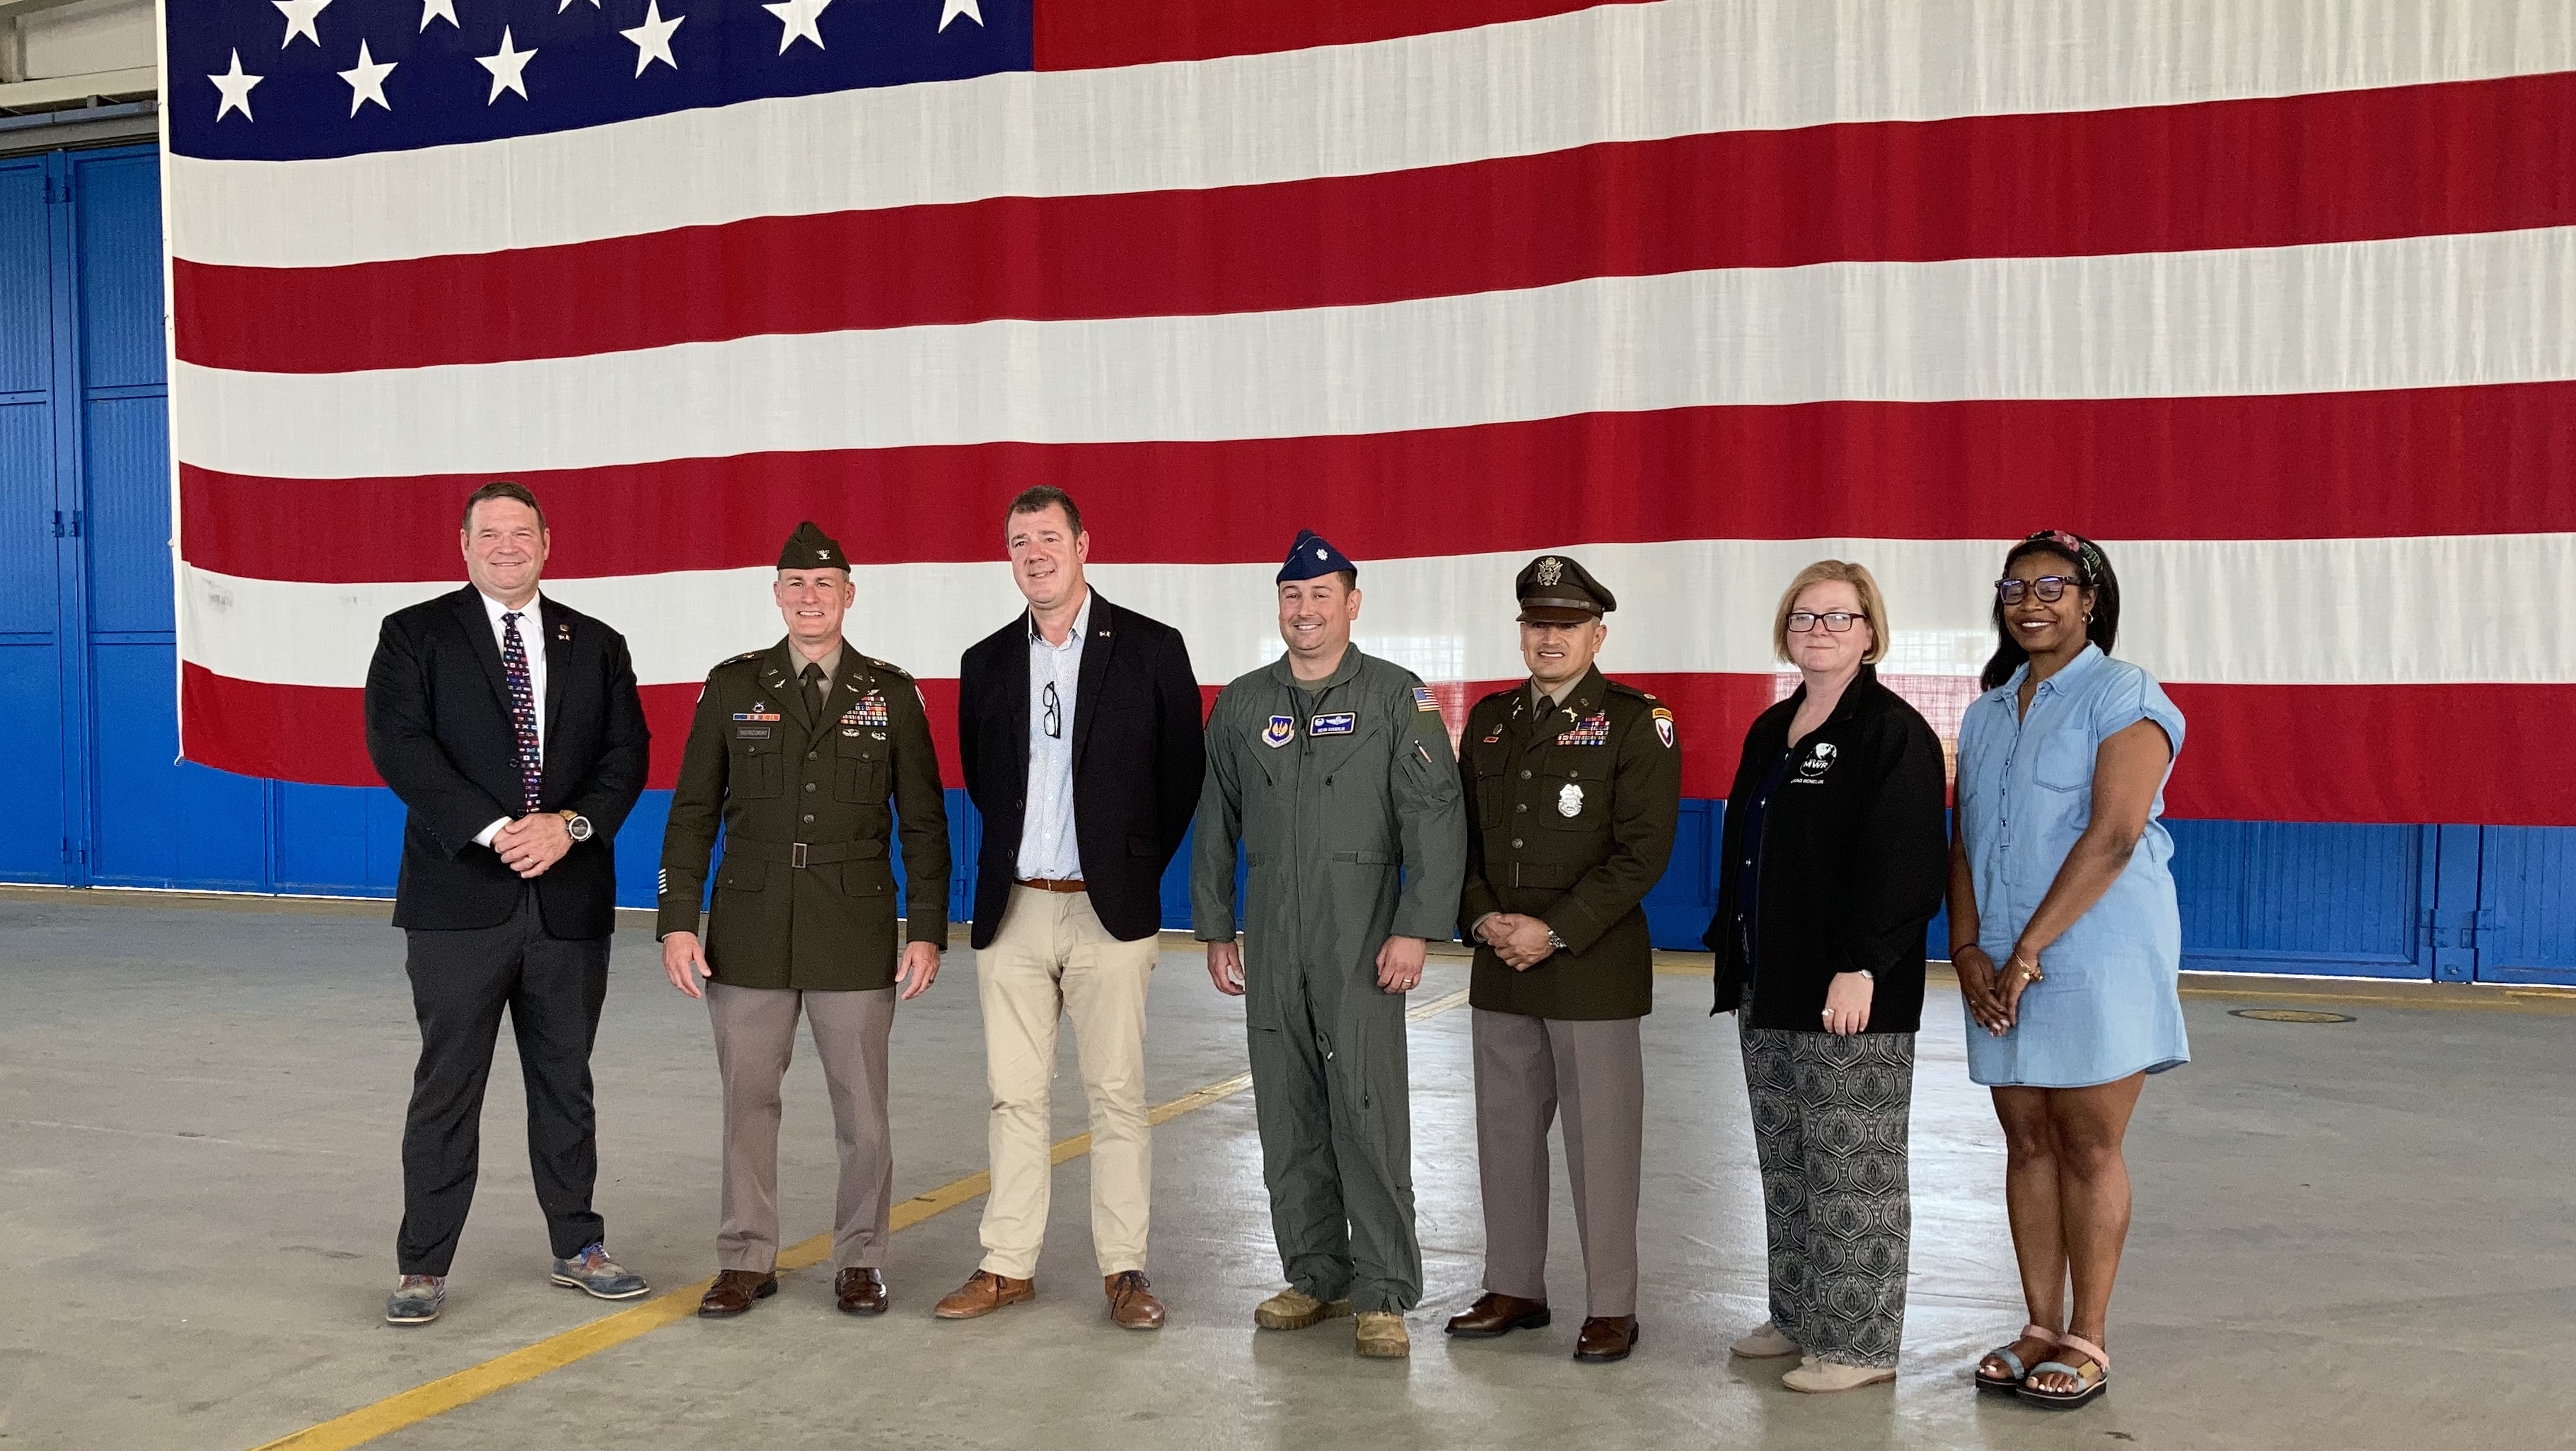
x,y
859,1290
984,1293
1606,1337
734,1290
1494,1315
1131,1300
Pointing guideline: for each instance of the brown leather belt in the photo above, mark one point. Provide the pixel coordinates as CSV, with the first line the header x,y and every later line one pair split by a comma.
x,y
1049,884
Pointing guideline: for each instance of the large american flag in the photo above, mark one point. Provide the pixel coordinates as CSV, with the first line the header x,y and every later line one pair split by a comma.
x,y
2277,300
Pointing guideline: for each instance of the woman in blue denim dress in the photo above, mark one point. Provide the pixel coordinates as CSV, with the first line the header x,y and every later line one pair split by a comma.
x,y
2067,942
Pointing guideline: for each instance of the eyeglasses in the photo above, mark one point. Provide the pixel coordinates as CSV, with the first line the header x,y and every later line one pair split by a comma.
x,y
2049,587
1836,622
1052,721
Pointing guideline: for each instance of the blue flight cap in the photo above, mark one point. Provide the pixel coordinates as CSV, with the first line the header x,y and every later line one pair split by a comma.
x,y
1313,556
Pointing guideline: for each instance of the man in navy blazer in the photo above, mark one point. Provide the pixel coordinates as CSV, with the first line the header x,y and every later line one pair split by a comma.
x,y
1078,724
510,727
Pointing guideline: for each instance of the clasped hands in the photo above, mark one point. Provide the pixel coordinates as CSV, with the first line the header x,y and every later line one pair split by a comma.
x,y
1519,940
1993,994
533,843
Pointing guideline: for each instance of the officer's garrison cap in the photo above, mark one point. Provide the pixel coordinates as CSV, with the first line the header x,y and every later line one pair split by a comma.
x,y
1312,557
810,548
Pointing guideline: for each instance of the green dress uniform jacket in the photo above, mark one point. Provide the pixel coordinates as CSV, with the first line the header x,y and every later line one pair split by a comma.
x,y
805,894
1344,794
1571,822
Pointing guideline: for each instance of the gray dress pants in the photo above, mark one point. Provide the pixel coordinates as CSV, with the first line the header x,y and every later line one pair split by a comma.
x,y
1526,1070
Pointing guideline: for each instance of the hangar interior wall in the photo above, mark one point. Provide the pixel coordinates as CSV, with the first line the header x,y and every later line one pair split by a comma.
x,y
96,795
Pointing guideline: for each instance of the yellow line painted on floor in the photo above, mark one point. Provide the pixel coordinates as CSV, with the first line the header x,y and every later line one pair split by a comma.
x,y
2429,997
420,1403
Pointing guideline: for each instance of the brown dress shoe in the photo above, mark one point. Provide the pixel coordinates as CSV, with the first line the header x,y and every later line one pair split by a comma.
x,y
1494,1315
984,1293
734,1290
859,1290
1606,1337
1131,1300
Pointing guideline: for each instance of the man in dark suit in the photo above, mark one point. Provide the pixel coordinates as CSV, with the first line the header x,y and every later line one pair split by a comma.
x,y
510,727
1079,727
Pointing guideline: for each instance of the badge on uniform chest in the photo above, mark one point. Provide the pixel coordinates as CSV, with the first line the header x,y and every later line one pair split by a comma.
x,y
869,711
1340,724
1281,730
1569,802
1591,730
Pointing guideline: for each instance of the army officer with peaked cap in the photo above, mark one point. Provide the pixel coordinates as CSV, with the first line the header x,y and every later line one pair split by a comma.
x,y
1333,769
797,748
1573,787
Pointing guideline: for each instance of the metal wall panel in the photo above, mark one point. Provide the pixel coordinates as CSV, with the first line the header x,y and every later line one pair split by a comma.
x,y
31,664
162,822
125,529
118,198
2269,896
2527,905
26,279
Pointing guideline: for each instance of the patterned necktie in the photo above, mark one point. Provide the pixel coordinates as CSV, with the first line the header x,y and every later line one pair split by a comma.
x,y
813,678
523,713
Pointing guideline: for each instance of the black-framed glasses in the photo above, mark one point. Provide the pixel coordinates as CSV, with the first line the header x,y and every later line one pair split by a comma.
x,y
1051,719
2049,587
1836,622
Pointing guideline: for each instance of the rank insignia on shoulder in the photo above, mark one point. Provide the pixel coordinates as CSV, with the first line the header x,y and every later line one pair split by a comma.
x,y
1282,730
869,710
1422,699
755,715
1591,730
1341,723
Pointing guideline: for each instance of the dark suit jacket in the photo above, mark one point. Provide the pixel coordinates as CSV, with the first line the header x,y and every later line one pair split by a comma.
x,y
1138,754
438,730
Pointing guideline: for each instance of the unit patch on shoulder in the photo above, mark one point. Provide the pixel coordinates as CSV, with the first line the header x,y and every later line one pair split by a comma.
x,y
1591,730
1422,699
1663,725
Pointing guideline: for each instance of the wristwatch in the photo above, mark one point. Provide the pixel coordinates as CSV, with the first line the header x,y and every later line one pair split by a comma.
x,y
576,825
1555,941
1867,976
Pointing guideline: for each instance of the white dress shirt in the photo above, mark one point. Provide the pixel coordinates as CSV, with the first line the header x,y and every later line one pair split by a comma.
x,y
531,639
1048,849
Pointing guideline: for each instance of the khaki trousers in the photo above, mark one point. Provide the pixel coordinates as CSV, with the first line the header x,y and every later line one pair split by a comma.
x,y
755,1038
1526,1069
1050,958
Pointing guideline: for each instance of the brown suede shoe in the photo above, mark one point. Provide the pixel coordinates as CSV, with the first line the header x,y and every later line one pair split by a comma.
x,y
1131,1300
1494,1315
984,1293
1606,1337
859,1290
734,1290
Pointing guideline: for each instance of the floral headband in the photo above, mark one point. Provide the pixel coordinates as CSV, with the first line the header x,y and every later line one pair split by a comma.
x,y
2086,554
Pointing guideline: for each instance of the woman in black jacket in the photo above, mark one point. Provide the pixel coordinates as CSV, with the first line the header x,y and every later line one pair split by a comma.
x,y
1832,867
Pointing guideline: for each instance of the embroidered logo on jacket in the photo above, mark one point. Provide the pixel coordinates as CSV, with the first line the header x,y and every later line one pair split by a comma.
x,y
1820,759
1282,730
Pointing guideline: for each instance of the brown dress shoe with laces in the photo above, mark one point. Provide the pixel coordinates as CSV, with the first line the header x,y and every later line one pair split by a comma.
x,y
982,1294
1131,1300
859,1290
1606,1337
734,1290
1494,1315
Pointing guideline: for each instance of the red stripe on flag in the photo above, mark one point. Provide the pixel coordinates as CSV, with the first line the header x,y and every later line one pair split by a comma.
x,y
2377,753
1090,34
2486,460
2346,166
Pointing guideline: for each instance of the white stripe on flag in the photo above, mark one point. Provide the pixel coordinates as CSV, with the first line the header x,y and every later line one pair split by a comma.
x,y
2417,312
2269,612
1615,73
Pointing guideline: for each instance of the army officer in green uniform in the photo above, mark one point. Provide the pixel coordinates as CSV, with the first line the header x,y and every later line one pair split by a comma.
x,y
1573,787
797,748
1334,771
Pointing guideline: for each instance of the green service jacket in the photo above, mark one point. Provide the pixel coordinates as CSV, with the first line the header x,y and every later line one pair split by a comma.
x,y
1344,794
1571,821
790,788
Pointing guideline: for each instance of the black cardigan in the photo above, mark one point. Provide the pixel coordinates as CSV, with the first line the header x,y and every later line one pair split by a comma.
x,y
1854,860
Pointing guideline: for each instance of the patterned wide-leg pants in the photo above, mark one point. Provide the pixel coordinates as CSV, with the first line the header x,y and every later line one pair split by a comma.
x,y
1829,1128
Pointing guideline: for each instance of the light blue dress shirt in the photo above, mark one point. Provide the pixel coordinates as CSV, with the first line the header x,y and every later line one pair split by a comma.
x,y
1048,849
2108,1002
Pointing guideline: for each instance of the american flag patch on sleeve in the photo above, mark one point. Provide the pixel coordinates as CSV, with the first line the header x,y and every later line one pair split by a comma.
x,y
1422,699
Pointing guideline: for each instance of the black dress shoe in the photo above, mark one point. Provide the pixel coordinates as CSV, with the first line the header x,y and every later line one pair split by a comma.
x,y
1494,1315
1606,1337
859,1290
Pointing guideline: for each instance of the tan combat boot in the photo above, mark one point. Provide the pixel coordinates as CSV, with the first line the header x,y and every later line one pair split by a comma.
x,y
1382,1335
1294,1309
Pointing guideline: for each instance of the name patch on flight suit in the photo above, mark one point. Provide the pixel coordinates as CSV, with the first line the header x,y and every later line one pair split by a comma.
x,y
1591,730
1281,730
870,711
1339,724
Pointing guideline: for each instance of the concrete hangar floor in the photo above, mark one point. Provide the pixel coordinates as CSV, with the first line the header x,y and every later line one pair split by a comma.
x,y
2348,1235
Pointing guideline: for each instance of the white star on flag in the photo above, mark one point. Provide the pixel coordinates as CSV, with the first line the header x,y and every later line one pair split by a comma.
x,y
236,88
653,37
438,10
563,5
508,68
797,20
951,9
367,79
300,15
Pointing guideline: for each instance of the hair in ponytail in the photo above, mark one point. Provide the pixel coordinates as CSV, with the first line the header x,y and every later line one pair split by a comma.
x,y
2092,571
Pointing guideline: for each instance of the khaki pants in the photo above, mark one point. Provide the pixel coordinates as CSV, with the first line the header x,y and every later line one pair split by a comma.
x,y
755,1037
1052,957
1527,1071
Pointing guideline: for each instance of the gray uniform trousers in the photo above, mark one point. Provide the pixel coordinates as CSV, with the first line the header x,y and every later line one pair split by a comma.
x,y
755,1030
1526,1068
1330,1095
1830,1123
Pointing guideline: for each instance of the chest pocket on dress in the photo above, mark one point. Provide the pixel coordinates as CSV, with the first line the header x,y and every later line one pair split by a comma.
x,y
1493,783
757,769
860,774
2064,762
